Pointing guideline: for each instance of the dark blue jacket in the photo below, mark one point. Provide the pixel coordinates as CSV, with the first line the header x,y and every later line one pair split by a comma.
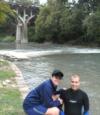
x,y
41,95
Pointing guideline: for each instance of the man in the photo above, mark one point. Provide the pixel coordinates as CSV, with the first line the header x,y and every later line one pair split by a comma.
x,y
40,102
75,100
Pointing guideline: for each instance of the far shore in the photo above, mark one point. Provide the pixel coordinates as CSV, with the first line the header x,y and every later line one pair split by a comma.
x,y
3,45
18,52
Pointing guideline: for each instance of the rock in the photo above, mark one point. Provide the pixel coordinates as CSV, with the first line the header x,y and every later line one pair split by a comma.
x,y
4,83
8,81
1,86
13,85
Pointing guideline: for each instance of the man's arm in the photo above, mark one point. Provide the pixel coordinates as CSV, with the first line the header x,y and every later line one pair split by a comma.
x,y
48,98
86,104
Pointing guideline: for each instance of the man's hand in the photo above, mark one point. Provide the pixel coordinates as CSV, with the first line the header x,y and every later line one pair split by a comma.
x,y
55,97
61,101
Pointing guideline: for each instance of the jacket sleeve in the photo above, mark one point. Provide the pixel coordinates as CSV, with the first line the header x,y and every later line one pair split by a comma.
x,y
48,101
86,104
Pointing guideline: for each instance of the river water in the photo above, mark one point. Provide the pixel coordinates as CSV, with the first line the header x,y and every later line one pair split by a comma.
x,y
71,60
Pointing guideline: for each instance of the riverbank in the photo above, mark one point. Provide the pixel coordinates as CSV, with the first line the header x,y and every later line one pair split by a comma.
x,y
83,44
10,96
13,45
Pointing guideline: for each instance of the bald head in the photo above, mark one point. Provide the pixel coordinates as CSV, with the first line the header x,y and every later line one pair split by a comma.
x,y
76,76
75,82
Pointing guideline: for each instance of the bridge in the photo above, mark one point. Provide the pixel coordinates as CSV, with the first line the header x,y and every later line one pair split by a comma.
x,y
23,16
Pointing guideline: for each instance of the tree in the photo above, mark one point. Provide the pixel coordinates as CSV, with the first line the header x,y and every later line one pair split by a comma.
x,y
5,11
71,24
60,21
92,27
89,5
40,24
48,21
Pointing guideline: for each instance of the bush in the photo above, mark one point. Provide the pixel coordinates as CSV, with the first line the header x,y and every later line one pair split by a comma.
x,y
7,38
91,26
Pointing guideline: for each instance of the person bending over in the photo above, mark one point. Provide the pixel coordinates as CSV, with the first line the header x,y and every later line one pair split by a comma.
x,y
40,102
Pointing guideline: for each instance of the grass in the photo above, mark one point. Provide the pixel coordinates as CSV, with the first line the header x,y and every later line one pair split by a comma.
x,y
6,74
7,38
10,98
3,63
10,102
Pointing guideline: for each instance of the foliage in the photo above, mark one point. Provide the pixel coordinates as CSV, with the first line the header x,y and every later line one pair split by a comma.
x,y
6,38
71,24
5,11
40,23
47,23
92,27
31,34
60,21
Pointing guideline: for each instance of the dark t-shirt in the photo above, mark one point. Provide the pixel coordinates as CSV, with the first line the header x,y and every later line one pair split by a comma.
x,y
74,101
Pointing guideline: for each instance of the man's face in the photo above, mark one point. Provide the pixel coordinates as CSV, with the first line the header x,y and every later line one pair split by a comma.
x,y
56,80
75,83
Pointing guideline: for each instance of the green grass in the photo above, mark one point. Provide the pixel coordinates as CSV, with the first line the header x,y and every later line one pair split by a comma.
x,y
10,98
5,70
3,63
7,38
10,102
6,74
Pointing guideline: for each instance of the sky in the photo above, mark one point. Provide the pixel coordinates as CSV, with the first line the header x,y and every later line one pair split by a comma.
x,y
43,1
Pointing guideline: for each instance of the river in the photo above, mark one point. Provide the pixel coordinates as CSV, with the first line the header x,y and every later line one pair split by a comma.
x,y
71,60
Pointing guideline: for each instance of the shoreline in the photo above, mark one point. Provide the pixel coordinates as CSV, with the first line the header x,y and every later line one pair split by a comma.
x,y
46,44
11,94
21,84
